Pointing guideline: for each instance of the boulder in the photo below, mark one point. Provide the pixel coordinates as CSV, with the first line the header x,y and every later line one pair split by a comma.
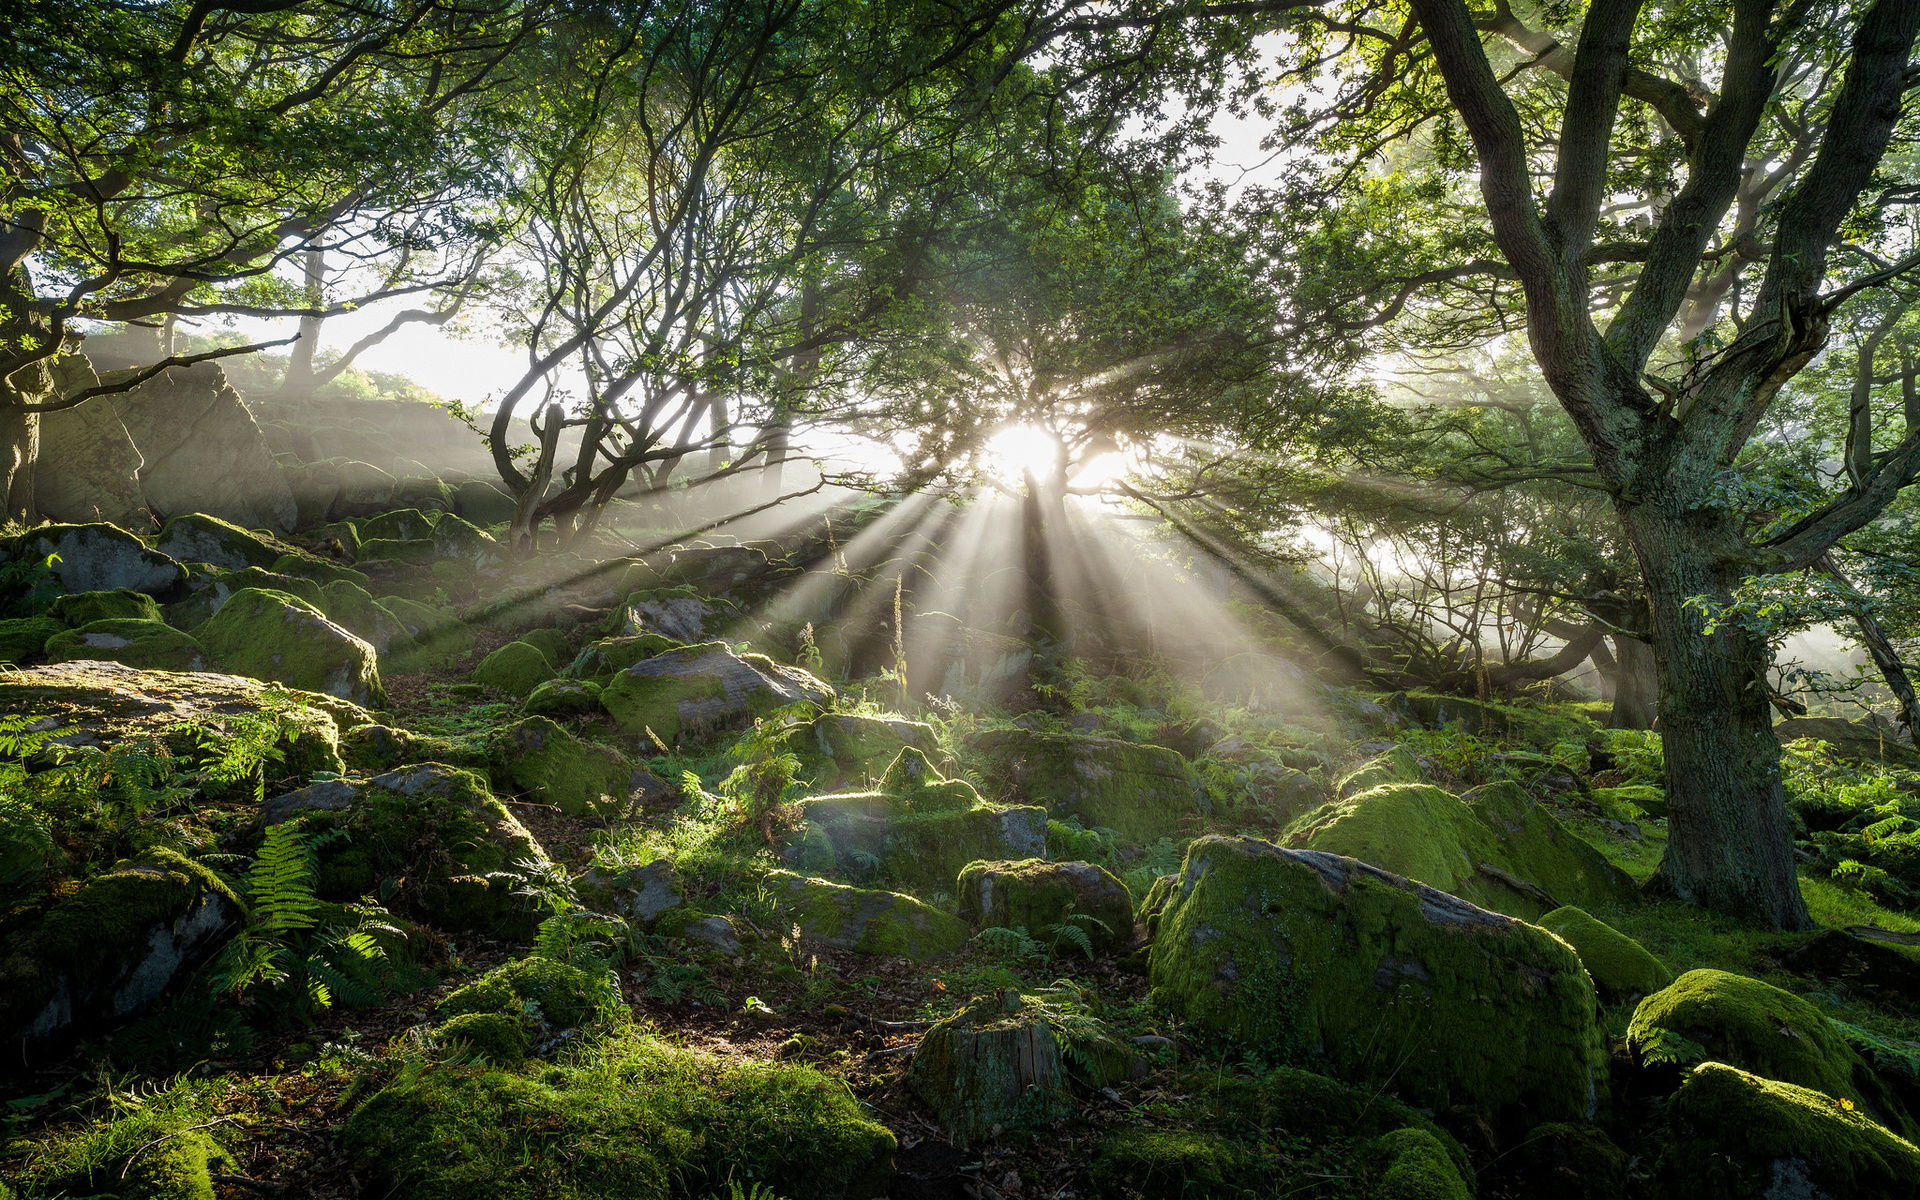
x,y
1621,967
1736,1135
24,640
1396,765
418,553
99,558
111,949
381,748
677,614
490,1037
539,760
567,996
1141,792
1757,1027
438,634
1862,741
1571,1161
319,570
863,920
99,468
197,537
1033,894
563,698
841,748
482,503
1495,846
454,540
152,645
697,690
550,642
402,525
713,932
599,661
515,668
362,490
188,418
212,592
271,636
352,606
81,608
640,894
1377,978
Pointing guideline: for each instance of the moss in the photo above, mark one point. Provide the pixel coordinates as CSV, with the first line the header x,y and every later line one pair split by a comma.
x,y
138,643
1141,792
402,524
319,570
568,997
496,1037
1572,1162
1413,1165
635,1120
864,920
841,748
354,607
564,698
917,784
1318,1108
1316,958
265,635
515,668
1632,802
1530,723
379,748
996,1064
1072,844
24,640
1620,966
197,537
601,659
416,551
551,643
1760,1028
1737,1135
84,608
695,691
1033,894
1397,765
438,634
1163,1164
544,762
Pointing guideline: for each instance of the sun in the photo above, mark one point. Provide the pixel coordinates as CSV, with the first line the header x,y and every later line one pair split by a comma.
x,y
1020,450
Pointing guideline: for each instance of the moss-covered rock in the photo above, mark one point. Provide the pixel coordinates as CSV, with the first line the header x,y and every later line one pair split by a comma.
x,y
416,553
401,524
352,606
1141,792
1736,1135
1308,1105
111,949
1760,1028
641,1121
841,748
540,760
458,541
98,558
381,748
551,643
1033,894
438,634
123,604
679,614
1326,959
565,996
1474,847
919,826
212,591
515,668
695,691
151,645
1162,1164
1396,765
197,537
495,1037
599,660
563,698
863,920
1571,1161
1632,802
319,570
24,640
263,634
1413,1165
1621,967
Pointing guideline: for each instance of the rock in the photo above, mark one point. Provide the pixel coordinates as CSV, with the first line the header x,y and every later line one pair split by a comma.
x,y
1621,967
515,668
319,570
1632,802
381,748
438,634
867,922
99,467
211,593
188,418
698,690
550,642
374,551
564,698
99,558
1572,1162
491,1037
1377,978
1034,894
640,894
713,932
990,1066
1163,1164
1413,1165
151,645
1736,1135
544,763
269,636
401,525
919,827
567,996
1861,741
454,540
841,748
1140,792
353,607
482,503
677,614
82,608
1495,846
24,640
197,537
599,661
1884,974
363,490
1757,1027
1396,765
111,949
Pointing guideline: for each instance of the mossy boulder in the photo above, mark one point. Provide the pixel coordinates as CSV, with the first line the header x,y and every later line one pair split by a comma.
x,y
122,604
543,762
841,748
113,948
1876,741
24,640
640,894
1571,1161
482,503
438,634
1412,1164
551,643
515,668
352,606
1396,765
1141,792
495,1037
1033,894
415,553
381,748
678,614
1496,846
268,636
319,570
209,593
696,691
458,541
147,644
1736,1135
1621,967
1373,977
401,524
642,1121
1163,1164
99,558
197,537
564,698
864,920
598,661
565,996
1757,1027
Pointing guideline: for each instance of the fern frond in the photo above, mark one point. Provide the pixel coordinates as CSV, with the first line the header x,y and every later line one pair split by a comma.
x,y
281,882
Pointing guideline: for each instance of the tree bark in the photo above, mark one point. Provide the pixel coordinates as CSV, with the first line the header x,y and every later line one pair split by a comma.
x,y
1730,844
19,448
1636,685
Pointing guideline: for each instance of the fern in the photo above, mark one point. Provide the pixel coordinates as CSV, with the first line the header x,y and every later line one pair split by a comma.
x,y
281,882
1011,943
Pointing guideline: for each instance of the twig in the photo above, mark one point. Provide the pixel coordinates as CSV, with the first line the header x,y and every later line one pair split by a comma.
x,y
139,1150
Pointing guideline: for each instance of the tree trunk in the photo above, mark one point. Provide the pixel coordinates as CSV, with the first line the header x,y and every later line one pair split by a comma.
x,y
19,447
299,379
1730,844
1636,684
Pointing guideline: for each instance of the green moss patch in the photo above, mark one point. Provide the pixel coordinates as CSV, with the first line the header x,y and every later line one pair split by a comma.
x,y
23,640
515,668
1621,967
548,765
864,920
566,996
1141,792
841,749
267,636
696,691
1033,894
151,645
84,608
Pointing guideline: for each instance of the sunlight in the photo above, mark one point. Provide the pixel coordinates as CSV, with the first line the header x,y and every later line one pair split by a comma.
x,y
1019,449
